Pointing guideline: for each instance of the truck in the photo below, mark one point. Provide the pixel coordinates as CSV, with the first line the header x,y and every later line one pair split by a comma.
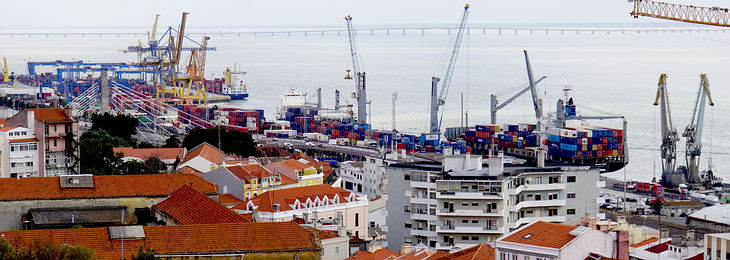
x,y
650,188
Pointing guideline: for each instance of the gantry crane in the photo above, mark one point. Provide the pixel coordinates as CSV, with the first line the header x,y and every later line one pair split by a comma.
x,y
439,100
670,176
360,93
693,133
684,13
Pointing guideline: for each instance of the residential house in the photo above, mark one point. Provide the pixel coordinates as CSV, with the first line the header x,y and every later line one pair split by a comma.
x,y
274,240
377,226
57,132
248,180
299,170
334,243
322,202
201,159
482,252
545,240
168,156
69,200
187,206
18,152
324,167
380,254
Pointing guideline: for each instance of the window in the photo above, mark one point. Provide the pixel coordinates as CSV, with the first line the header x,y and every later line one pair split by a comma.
x,y
372,223
553,196
337,250
465,204
475,221
408,225
475,204
571,178
357,219
464,237
465,221
552,212
357,233
475,238
29,164
12,165
571,212
54,142
407,208
571,195
407,176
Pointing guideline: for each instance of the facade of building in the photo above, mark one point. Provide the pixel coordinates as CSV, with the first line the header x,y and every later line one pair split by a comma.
x,y
551,241
57,135
299,170
201,159
321,202
168,156
717,246
18,152
69,200
248,180
681,207
462,204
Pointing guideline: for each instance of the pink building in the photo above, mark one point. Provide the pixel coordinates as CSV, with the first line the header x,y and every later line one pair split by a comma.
x,y
323,201
57,133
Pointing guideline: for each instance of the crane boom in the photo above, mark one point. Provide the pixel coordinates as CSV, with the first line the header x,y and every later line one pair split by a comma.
x,y
669,135
683,13
495,103
203,55
360,92
153,36
693,132
436,103
537,103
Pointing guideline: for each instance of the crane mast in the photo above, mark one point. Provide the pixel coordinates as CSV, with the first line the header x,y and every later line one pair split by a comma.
x,y
360,93
440,100
693,132
669,135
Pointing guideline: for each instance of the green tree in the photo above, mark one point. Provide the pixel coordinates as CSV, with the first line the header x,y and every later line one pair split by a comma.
x,y
172,142
44,250
97,155
232,142
656,205
122,126
146,254
144,144
154,165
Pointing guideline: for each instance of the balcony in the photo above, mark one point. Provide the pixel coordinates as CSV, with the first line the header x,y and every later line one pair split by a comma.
x,y
468,195
455,246
424,201
423,184
469,212
525,220
422,216
536,203
469,229
422,233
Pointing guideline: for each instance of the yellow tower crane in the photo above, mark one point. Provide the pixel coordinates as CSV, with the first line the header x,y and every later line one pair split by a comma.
x,y
684,13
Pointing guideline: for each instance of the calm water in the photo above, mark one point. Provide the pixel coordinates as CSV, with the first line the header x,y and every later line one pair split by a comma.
x,y
613,72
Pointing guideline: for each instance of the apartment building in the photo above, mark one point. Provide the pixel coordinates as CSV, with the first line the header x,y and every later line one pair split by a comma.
x,y
462,204
18,152
717,246
58,138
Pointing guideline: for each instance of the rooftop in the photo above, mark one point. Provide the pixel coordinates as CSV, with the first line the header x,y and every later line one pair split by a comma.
x,y
686,203
187,206
379,254
104,186
478,252
146,153
717,214
185,239
229,199
542,234
207,151
50,115
286,197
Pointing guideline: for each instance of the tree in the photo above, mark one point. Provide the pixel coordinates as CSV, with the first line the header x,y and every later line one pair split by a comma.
x,y
172,142
146,254
97,154
232,142
656,205
154,165
122,126
144,144
44,250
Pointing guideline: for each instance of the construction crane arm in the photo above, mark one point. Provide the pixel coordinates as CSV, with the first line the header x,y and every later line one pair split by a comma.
x,y
454,54
535,99
528,88
683,13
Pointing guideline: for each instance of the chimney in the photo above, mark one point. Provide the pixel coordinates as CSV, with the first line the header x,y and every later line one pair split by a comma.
x,y
405,248
622,245
30,118
690,235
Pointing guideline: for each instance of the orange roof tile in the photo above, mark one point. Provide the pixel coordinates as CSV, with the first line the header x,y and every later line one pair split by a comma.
x,y
379,254
50,115
229,199
3,121
207,151
23,140
418,254
286,180
294,164
105,186
185,239
438,255
284,197
188,170
322,234
7,128
478,252
249,171
188,206
146,153
541,233
645,242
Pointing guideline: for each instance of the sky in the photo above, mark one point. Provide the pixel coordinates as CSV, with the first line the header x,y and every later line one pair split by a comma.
x,y
287,13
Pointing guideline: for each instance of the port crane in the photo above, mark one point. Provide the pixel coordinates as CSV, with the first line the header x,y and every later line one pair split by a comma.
x,y
684,13
670,175
360,93
693,133
438,99
495,106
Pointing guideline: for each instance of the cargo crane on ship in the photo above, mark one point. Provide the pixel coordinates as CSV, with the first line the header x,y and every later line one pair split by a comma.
x,y
438,99
360,89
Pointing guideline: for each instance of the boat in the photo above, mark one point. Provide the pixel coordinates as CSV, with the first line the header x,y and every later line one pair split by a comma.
x,y
234,86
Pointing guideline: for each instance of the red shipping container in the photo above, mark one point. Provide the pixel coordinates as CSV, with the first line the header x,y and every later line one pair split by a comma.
x,y
468,149
401,146
482,134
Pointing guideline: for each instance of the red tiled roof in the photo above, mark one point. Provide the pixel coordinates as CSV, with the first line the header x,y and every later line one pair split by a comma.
x,y
188,170
23,140
187,206
322,234
645,242
105,186
249,171
7,128
379,254
418,254
50,115
284,197
294,164
543,234
438,255
207,151
228,199
185,239
146,153
478,252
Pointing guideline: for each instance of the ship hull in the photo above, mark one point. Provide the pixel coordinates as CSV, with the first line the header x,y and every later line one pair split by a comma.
x,y
238,96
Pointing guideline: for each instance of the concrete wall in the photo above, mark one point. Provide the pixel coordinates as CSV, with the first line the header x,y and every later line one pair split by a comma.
x,y
396,189
335,248
591,241
354,214
586,192
225,180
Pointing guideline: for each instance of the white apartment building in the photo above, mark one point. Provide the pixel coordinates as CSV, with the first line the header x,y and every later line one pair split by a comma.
x,y
461,208
18,152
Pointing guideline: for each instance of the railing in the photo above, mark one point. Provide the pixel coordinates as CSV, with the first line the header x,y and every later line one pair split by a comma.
x,y
467,195
470,212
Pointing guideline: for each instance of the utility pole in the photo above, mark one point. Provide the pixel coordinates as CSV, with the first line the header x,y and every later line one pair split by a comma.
x,y
395,96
